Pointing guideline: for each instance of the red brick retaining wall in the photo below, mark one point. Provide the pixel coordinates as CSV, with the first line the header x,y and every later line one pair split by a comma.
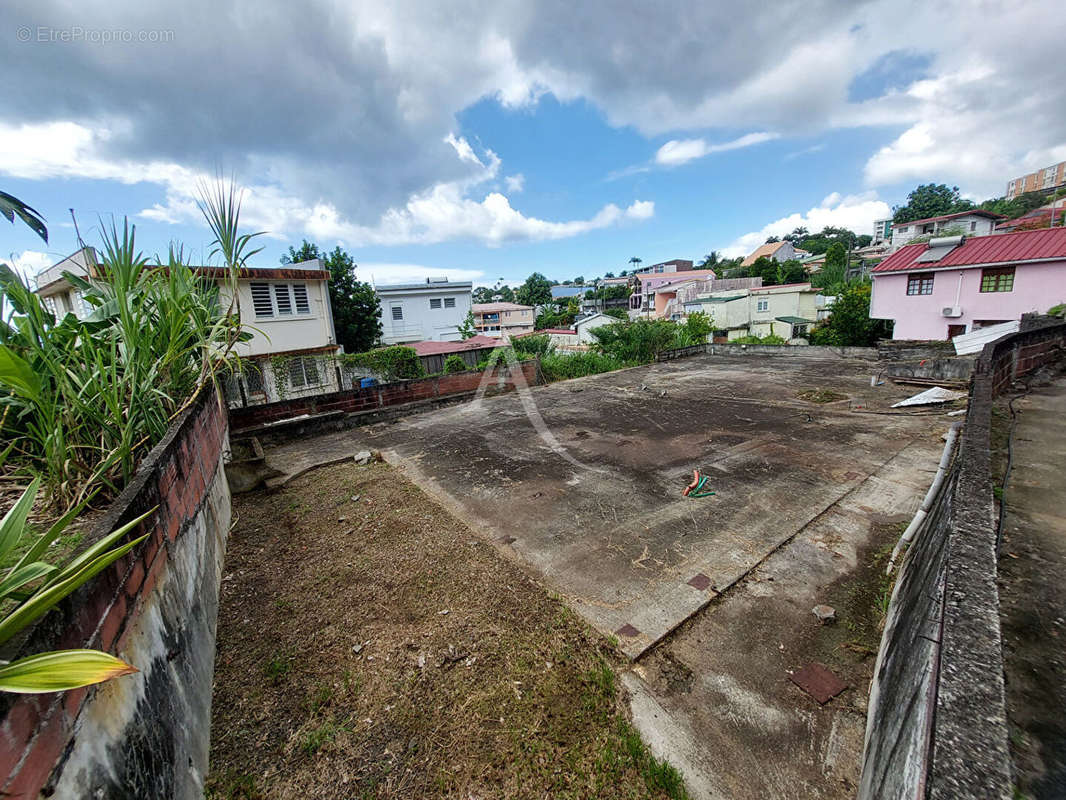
x,y
157,610
352,401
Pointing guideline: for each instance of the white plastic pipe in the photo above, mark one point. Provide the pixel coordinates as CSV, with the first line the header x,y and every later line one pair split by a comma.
x,y
927,503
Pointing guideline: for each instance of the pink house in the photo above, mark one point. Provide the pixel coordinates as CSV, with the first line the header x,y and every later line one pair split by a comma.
x,y
646,300
955,285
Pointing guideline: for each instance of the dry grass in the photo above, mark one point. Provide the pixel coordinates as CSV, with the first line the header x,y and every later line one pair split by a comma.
x,y
375,648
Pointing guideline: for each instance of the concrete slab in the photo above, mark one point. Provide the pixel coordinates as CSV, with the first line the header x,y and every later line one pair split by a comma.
x,y
616,538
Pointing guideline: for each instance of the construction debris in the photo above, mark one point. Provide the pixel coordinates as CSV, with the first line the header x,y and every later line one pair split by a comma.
x,y
937,394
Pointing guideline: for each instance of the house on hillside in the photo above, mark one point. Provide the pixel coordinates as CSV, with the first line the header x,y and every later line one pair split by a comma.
x,y
969,223
429,311
778,251
786,311
1053,213
584,326
955,285
1043,180
676,265
502,320
287,311
643,301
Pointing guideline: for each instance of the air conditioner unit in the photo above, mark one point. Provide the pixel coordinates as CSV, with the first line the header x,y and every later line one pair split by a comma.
x,y
951,311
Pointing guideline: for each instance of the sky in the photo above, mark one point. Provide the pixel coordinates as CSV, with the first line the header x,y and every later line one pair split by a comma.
x,y
487,140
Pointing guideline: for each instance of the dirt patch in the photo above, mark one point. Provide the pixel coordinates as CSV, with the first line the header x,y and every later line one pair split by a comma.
x,y
861,602
369,647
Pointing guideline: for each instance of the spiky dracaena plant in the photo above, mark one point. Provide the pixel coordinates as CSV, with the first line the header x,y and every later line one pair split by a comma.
x,y
87,398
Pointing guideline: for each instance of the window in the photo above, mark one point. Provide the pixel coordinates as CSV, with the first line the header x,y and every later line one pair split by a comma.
x,y
434,302
303,372
762,305
920,283
280,300
397,312
449,302
997,280
973,226
261,303
904,229
927,228
299,296
283,299
253,380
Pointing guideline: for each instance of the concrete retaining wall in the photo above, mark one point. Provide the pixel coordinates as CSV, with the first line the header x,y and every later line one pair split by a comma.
x,y
795,351
937,724
425,392
143,735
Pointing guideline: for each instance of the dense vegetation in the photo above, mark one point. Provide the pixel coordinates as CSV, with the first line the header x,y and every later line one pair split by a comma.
x,y
85,400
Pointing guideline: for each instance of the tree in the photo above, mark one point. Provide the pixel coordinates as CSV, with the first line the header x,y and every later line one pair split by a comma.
x,y
930,200
791,271
356,311
772,239
835,257
466,329
608,275
849,323
454,363
536,291
710,261
636,262
765,268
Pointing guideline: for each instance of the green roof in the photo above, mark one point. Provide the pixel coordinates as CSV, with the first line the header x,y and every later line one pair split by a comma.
x,y
795,320
716,299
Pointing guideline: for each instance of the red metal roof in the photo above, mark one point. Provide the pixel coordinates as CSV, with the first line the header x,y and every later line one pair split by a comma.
x,y
1006,248
430,348
975,212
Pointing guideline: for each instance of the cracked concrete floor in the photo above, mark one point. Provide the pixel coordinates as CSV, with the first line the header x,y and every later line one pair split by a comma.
x,y
799,487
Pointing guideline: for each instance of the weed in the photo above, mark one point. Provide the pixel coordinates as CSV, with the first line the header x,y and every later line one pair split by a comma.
x,y
233,785
277,668
319,698
316,738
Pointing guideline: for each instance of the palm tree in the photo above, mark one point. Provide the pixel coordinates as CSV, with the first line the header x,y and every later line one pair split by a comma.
x,y
635,262
10,206
710,261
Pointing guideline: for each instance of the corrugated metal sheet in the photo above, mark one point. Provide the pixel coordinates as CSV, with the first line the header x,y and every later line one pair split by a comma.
x,y
974,341
1006,248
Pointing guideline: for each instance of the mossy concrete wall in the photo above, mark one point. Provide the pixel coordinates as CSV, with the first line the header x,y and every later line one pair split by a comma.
x,y
144,735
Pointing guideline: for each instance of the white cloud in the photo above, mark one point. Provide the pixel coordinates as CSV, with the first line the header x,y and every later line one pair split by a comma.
x,y
515,183
384,273
372,98
681,151
854,212
29,262
443,212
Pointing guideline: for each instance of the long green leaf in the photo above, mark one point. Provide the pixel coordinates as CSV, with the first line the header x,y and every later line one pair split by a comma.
x,y
17,375
61,670
14,522
21,576
44,541
98,549
45,600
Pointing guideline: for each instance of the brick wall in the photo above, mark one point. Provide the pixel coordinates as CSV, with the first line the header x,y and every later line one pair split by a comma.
x,y
144,735
353,401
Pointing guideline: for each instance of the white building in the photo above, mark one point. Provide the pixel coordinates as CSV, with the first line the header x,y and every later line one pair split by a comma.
x,y
287,310
786,310
419,312
966,223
